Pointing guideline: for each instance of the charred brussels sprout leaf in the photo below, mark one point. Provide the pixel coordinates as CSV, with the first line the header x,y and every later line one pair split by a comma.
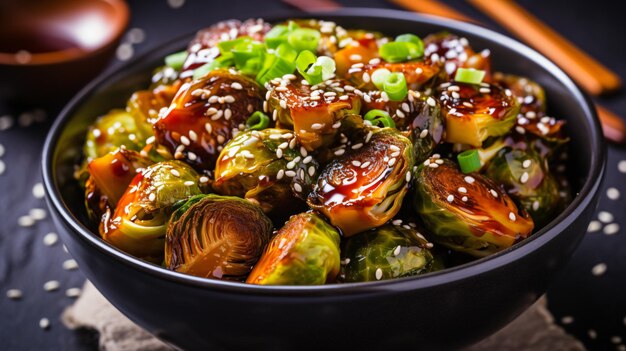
x,y
305,251
427,128
475,112
218,237
468,213
525,176
205,114
364,188
266,167
139,222
312,111
385,252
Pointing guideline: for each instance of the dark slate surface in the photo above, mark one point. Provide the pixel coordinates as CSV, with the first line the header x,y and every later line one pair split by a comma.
x,y
591,306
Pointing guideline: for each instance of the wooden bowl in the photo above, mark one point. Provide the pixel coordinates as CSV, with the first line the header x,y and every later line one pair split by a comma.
x,y
49,49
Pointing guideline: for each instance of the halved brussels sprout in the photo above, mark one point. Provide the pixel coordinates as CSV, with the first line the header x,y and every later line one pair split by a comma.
x,y
219,237
529,94
364,187
203,48
475,112
113,130
205,114
305,251
390,251
456,52
266,167
526,177
418,74
138,224
146,104
467,213
314,112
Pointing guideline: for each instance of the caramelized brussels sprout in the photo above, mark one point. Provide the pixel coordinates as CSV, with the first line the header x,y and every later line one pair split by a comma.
x,y
475,112
305,251
113,130
266,167
526,178
112,173
314,112
146,104
427,127
139,222
205,114
364,187
529,94
360,51
390,251
418,74
218,237
456,52
467,213
203,48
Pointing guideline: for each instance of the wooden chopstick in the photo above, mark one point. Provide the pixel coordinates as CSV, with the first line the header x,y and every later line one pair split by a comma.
x,y
612,125
311,5
590,74
433,7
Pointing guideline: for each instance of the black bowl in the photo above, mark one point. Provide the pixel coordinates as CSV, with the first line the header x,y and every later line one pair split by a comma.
x,y
441,310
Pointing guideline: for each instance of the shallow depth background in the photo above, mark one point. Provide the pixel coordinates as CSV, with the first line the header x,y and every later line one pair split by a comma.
x,y
588,299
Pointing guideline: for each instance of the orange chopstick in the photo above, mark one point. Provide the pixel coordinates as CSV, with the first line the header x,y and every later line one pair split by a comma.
x,y
310,5
433,7
590,74
612,125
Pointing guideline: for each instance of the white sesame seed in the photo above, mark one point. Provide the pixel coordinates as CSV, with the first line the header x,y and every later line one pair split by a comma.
x,y
462,190
612,193
279,153
485,90
229,99
339,152
535,205
433,165
493,192
152,197
524,178
611,229
25,221
184,140
592,334
365,164
599,269
464,199
38,191
37,213
605,217
290,174
336,125
450,198
50,239
391,162
379,273
356,163
567,320
51,285
616,339
423,133
70,265
357,146
307,159
208,128
469,179
512,216
431,102
317,126
594,226
407,177
189,183
14,294
73,292
526,163
621,166
311,171
297,187
283,104
44,323
236,85
204,179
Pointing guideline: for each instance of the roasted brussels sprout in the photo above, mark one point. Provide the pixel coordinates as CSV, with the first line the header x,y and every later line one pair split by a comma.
x,y
266,167
468,213
205,114
456,52
314,112
529,94
390,251
146,104
356,53
113,130
418,74
305,251
219,237
364,187
139,222
427,127
526,178
475,112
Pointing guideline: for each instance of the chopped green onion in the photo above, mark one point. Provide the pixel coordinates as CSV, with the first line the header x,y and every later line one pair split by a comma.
x,y
395,86
305,65
258,121
252,66
225,60
176,60
394,51
417,49
276,36
304,39
469,75
469,161
245,51
227,45
274,66
375,116
408,38
286,52
379,77
328,66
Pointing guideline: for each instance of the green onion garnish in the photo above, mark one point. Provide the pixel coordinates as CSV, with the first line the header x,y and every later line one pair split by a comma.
x,y
304,39
395,86
469,161
379,77
258,121
305,66
277,65
245,51
375,116
225,60
417,49
469,75
176,60
276,36
394,51
328,66
227,45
